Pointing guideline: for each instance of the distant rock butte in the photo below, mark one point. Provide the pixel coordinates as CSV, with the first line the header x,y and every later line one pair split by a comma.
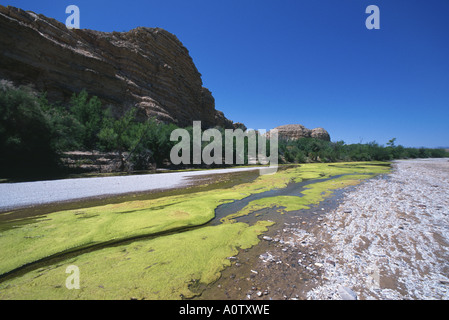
x,y
298,131
146,67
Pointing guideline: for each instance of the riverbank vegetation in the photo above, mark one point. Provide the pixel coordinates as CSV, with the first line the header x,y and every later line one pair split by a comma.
x,y
34,134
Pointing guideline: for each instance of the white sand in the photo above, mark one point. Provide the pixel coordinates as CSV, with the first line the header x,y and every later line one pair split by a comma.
x,y
15,195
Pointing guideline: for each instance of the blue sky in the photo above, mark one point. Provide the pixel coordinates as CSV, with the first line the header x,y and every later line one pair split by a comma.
x,y
311,62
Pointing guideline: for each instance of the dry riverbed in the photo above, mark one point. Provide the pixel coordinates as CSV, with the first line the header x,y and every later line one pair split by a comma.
x,y
386,238
389,238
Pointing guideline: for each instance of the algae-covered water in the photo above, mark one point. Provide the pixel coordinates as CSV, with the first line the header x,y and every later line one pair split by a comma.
x,y
293,189
171,245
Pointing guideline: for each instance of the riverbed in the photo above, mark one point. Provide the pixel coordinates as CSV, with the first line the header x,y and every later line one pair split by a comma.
x,y
152,239
386,238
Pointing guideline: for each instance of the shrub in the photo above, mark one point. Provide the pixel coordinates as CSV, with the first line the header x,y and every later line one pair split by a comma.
x,y
26,134
89,113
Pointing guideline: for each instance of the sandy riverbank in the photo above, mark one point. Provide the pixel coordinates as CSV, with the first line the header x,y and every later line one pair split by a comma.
x,y
389,238
22,194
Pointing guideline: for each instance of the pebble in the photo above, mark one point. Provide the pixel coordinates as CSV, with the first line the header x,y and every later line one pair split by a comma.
x,y
388,222
331,262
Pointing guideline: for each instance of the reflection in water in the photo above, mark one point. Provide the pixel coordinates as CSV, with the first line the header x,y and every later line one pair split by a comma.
x,y
293,189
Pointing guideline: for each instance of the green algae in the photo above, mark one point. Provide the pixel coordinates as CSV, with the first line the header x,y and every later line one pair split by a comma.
x,y
161,268
312,195
67,230
180,259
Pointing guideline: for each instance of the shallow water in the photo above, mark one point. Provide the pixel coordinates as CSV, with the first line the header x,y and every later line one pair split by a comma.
x,y
293,189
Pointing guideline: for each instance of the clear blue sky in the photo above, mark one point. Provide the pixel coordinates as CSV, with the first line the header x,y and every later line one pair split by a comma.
x,y
311,62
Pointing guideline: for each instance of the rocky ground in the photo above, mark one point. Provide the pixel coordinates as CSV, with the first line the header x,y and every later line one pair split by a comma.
x,y
387,238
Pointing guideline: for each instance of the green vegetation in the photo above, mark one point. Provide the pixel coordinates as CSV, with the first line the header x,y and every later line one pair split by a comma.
x,y
34,134
314,194
26,134
161,268
313,150
152,249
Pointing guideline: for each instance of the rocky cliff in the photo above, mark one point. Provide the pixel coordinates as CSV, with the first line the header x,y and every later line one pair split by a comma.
x,y
297,131
146,67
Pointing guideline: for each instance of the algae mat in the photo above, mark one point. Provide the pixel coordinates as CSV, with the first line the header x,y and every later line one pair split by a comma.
x,y
152,249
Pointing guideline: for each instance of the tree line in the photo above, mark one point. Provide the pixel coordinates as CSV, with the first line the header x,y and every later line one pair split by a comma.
x,y
34,133
313,150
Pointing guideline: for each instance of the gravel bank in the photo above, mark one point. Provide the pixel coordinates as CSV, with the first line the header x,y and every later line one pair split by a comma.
x,y
389,238
17,195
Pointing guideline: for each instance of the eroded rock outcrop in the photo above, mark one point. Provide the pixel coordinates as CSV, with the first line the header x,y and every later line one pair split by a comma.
x,y
145,67
320,133
298,131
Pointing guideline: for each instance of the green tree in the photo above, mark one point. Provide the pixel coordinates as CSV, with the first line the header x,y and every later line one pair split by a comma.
x,y
89,114
391,143
26,136
66,130
118,134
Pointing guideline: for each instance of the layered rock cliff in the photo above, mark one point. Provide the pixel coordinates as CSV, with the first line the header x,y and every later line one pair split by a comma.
x,y
146,67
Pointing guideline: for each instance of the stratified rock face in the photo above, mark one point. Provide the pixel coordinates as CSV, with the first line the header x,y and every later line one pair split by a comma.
x,y
145,67
298,131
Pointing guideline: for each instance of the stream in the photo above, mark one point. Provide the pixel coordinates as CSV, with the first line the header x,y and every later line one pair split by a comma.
x,y
292,189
